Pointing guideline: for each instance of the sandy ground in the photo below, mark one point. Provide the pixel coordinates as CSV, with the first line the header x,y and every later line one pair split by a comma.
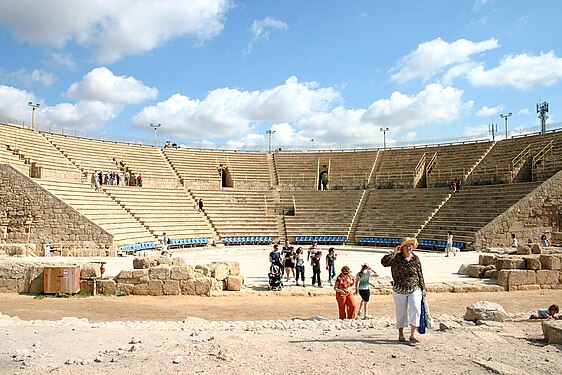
x,y
260,332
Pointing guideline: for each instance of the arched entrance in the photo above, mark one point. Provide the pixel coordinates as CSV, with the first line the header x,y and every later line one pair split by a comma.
x,y
323,181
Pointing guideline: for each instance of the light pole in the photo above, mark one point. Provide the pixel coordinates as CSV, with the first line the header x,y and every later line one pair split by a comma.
x,y
155,126
270,133
384,130
505,117
493,128
33,106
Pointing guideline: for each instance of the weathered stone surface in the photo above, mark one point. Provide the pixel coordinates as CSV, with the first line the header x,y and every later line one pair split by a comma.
x,y
171,288
476,270
178,262
220,272
552,330
532,263
550,261
182,273
491,274
549,277
89,270
187,287
5,270
484,310
463,269
234,283
8,285
155,287
125,275
161,272
233,268
124,288
140,290
107,287
536,249
204,269
519,277
510,263
486,259
528,287
523,249
203,286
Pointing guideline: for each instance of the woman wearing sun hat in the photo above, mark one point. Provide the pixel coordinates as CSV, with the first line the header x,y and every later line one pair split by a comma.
x,y
408,286
363,288
343,286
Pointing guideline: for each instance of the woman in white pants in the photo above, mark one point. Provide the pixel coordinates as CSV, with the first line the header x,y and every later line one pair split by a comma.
x,y
408,286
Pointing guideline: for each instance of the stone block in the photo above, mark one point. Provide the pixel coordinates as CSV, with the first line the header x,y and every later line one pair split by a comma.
x,y
549,277
475,270
536,249
523,249
463,269
484,310
187,287
161,272
550,261
18,271
125,275
529,287
204,269
5,271
178,262
8,285
491,274
234,283
220,272
532,263
233,268
552,330
170,288
124,288
182,273
140,290
510,263
107,287
155,287
203,286
89,270
522,277
486,259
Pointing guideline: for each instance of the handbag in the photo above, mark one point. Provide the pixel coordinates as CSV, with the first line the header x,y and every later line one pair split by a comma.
x,y
429,323
423,321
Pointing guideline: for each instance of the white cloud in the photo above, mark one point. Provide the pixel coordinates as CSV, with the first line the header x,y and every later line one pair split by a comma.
x,y
84,115
60,60
37,76
113,28
524,111
477,132
13,103
101,84
489,111
430,57
434,104
261,29
521,71
230,112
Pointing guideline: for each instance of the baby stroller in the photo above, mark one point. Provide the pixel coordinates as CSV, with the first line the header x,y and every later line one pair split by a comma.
x,y
275,277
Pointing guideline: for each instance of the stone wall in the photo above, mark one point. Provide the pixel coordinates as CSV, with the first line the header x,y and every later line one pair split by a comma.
x,y
533,271
532,216
162,276
51,219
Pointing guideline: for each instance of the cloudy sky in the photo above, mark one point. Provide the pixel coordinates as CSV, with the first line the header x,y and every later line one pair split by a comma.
x,y
222,72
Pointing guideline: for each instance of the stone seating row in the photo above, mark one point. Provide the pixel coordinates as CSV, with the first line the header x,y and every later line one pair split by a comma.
x,y
248,240
321,239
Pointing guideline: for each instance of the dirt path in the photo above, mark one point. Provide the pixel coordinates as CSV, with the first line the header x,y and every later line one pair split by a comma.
x,y
248,306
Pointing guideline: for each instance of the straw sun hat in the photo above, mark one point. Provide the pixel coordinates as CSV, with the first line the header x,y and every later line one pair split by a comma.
x,y
409,240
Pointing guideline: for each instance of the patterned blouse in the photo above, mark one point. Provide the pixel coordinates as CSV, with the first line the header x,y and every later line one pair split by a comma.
x,y
407,276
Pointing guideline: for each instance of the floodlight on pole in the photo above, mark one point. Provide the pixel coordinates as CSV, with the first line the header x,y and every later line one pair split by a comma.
x,y
384,130
270,132
155,126
33,106
505,117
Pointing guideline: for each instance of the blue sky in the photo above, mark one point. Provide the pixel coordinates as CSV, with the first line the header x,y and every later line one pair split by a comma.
x,y
221,72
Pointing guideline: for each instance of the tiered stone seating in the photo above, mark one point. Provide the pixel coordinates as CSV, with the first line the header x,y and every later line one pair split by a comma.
x,y
34,150
240,213
92,155
297,171
551,163
200,169
163,210
349,170
100,209
396,169
455,162
7,155
320,213
496,167
472,208
396,213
